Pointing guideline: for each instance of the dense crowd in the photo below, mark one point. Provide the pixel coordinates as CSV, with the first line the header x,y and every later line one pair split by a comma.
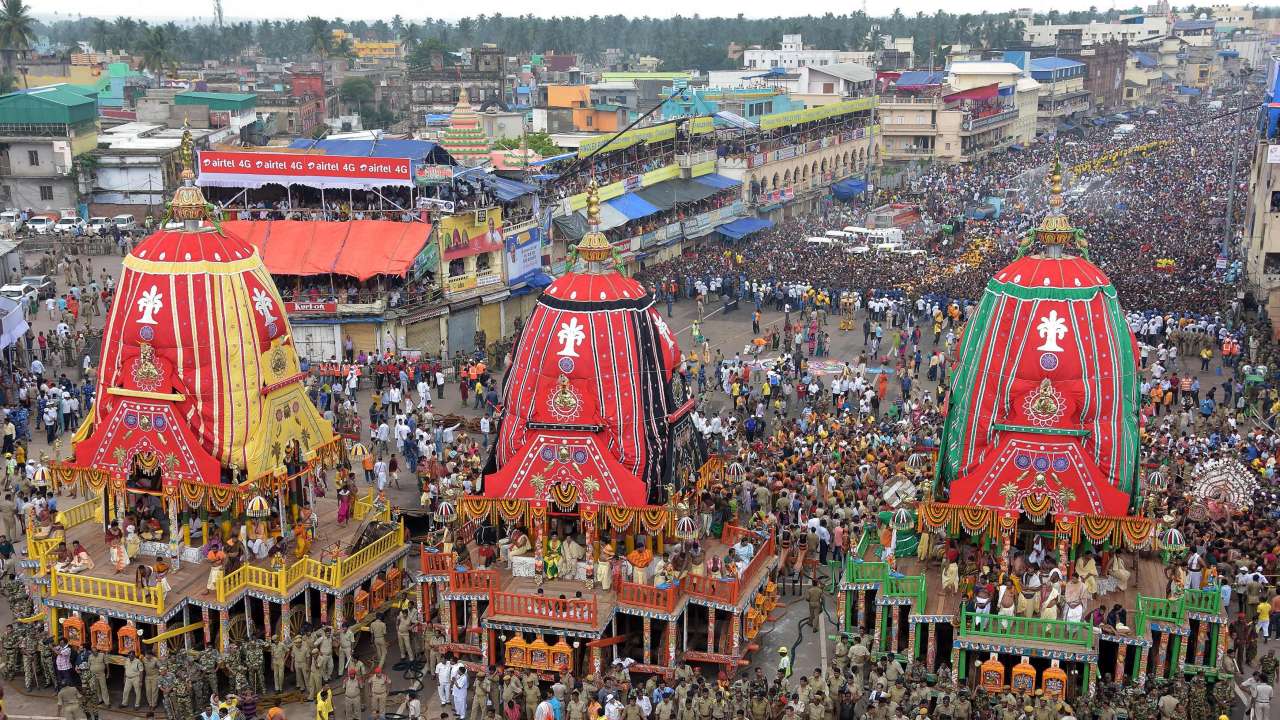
x,y
822,453
1165,203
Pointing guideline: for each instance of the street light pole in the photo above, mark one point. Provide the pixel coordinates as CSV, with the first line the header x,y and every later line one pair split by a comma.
x,y
1235,163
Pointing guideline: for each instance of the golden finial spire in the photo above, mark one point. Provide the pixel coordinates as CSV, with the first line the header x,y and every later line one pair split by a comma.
x,y
1055,230
594,247
188,204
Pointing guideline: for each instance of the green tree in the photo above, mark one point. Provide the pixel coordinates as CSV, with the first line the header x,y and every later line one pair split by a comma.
x,y
356,91
157,50
319,37
538,142
17,30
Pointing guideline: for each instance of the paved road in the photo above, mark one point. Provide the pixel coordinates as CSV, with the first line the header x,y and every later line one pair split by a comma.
x,y
728,333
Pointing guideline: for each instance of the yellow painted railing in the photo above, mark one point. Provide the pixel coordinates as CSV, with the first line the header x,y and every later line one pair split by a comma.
x,y
349,566
86,586
82,513
334,574
364,507
39,549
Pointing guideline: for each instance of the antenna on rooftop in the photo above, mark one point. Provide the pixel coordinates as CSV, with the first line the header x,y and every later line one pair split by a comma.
x,y
217,12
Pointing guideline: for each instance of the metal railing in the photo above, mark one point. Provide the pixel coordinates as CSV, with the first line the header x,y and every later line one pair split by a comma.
x,y
1014,627
545,608
103,589
650,597
334,574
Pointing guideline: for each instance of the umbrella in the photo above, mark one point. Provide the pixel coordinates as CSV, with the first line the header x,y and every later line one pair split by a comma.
x,y
760,341
42,476
359,450
258,507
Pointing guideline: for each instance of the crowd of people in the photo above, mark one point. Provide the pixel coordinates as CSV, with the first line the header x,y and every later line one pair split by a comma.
x,y
818,445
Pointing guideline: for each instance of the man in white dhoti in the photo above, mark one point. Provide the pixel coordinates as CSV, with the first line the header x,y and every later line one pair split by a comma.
x,y
444,676
460,684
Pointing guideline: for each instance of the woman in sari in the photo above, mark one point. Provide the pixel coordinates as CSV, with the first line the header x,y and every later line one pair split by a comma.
x,y
344,504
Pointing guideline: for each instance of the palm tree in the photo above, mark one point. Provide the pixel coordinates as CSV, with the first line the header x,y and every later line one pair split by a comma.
x,y
157,50
412,34
319,38
17,30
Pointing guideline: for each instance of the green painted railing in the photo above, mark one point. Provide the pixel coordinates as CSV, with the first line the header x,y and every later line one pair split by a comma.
x,y
1208,602
1175,612
864,572
911,586
1013,627
1160,609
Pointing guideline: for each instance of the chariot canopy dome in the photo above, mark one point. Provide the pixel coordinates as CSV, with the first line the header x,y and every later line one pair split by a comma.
x,y
588,400
1043,416
198,368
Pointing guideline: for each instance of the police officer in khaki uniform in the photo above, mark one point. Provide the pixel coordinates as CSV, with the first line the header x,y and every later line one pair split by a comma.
x,y
69,703
151,678
351,694
404,634
379,631
379,688
133,670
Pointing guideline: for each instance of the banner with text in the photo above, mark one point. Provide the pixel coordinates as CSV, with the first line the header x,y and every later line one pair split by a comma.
x,y
822,112
220,168
470,233
523,255
656,133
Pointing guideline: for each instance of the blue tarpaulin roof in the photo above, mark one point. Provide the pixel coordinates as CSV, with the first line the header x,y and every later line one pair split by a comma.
x,y
1194,25
848,188
743,227
1054,63
418,151
1146,59
735,120
633,206
1188,90
717,181
553,158
917,78
507,189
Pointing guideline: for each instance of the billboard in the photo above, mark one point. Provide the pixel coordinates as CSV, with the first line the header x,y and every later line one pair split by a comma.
x,y
221,168
523,254
470,233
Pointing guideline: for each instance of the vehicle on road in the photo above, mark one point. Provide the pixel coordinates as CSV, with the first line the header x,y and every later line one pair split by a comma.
x,y
98,225
69,224
44,285
20,292
41,224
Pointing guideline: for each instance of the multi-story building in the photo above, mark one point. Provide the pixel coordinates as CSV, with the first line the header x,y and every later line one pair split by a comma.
x,y
136,167
792,54
435,87
1132,30
980,107
749,103
1144,83
42,132
1260,244
1062,94
1198,33
309,102
788,167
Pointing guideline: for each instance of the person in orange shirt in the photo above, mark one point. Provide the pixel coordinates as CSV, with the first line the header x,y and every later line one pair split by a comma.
x,y
367,464
217,559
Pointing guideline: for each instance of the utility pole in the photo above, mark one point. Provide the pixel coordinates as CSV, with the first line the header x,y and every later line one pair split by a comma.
x,y
1227,224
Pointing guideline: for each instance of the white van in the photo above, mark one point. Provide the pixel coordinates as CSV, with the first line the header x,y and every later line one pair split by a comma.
x,y
821,241
857,249
839,235
1122,130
